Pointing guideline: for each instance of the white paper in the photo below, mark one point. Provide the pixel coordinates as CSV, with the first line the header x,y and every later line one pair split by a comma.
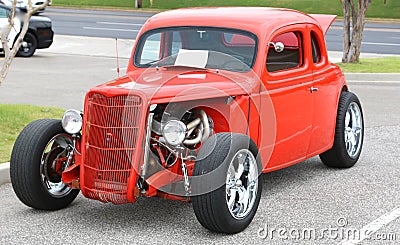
x,y
193,76
192,58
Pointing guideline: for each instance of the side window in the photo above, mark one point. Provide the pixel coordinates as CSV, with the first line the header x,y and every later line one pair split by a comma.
x,y
316,51
291,56
3,13
151,49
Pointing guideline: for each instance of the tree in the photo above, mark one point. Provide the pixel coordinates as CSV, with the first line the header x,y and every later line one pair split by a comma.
x,y
138,3
10,52
352,40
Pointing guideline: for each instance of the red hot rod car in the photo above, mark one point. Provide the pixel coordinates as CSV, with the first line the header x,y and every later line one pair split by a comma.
x,y
212,98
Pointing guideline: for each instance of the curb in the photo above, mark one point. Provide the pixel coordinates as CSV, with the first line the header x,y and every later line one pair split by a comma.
x,y
374,20
5,173
373,83
373,77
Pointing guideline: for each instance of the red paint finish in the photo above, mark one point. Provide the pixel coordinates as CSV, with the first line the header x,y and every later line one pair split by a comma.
x,y
111,146
278,107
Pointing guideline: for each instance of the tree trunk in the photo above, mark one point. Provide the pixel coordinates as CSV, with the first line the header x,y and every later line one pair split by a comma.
x,y
346,29
352,40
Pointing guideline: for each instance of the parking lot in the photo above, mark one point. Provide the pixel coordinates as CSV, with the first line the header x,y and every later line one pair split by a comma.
x,y
305,196
305,204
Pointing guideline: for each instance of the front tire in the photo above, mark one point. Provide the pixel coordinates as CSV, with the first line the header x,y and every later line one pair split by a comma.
x,y
36,162
227,199
349,134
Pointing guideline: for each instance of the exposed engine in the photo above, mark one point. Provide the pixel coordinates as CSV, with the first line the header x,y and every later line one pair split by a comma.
x,y
177,133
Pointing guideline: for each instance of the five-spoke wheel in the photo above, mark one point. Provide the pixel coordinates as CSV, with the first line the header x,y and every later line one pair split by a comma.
x,y
241,184
53,163
353,129
38,158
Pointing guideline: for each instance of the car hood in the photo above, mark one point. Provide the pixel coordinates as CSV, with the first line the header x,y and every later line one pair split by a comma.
x,y
159,86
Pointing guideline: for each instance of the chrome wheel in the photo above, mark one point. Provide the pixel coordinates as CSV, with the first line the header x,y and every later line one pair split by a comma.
x,y
241,184
53,163
25,47
353,129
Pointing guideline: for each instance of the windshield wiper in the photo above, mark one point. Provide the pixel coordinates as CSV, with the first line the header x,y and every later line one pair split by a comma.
x,y
151,62
170,67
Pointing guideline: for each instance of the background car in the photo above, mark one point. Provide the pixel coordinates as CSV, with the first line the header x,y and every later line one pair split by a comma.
x,y
23,4
39,36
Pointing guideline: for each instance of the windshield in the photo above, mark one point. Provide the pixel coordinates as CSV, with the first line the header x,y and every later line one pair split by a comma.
x,y
197,47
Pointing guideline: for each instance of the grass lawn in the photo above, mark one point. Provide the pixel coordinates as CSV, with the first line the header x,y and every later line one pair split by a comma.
x,y
96,3
13,118
374,65
377,8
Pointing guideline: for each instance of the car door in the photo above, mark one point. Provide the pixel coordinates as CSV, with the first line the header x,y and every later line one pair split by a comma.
x,y
4,13
325,94
287,79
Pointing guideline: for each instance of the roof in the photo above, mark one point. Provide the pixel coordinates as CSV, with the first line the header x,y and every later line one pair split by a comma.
x,y
254,19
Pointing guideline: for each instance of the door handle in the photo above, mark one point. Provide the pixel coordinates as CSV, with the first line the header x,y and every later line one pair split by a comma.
x,y
313,89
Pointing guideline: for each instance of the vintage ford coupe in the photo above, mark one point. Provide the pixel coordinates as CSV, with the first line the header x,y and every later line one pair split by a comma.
x,y
212,98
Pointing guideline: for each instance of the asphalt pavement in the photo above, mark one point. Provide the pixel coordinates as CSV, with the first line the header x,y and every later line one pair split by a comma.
x,y
305,197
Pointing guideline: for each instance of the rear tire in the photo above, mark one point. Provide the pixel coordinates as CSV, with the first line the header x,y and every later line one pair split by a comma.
x,y
34,181
349,134
31,46
227,201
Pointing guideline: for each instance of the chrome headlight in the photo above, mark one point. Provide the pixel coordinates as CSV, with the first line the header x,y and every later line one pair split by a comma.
x,y
72,121
174,132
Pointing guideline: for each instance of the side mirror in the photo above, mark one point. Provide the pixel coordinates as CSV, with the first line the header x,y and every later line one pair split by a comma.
x,y
279,46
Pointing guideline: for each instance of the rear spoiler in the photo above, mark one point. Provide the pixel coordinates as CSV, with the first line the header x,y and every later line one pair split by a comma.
x,y
324,20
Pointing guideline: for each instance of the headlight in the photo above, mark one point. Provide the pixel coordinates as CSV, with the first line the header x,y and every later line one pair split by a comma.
x,y
174,132
72,121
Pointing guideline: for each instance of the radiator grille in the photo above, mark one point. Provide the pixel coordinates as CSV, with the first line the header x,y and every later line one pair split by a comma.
x,y
112,129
